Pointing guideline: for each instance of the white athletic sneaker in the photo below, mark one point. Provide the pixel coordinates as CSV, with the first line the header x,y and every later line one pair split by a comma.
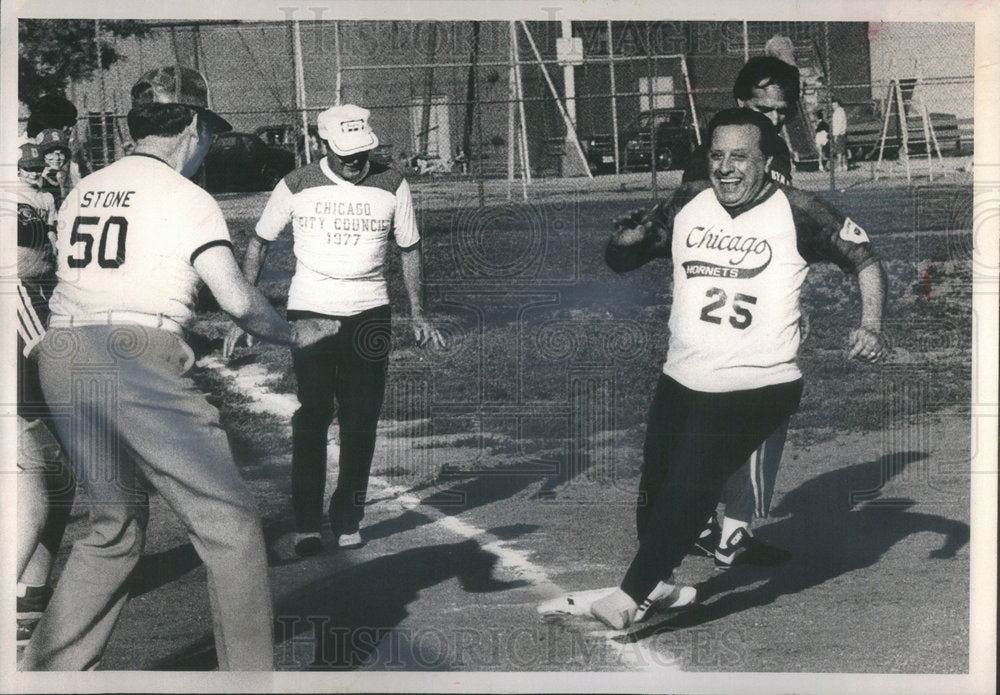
x,y
350,540
574,603
664,596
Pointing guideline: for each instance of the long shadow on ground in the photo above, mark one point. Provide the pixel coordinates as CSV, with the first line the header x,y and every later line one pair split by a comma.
x,y
340,620
829,535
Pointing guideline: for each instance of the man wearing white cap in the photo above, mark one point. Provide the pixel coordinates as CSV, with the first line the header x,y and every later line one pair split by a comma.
x,y
344,210
135,241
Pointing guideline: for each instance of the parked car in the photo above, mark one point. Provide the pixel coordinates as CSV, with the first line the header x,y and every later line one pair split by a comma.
x,y
865,121
675,140
289,138
600,153
242,162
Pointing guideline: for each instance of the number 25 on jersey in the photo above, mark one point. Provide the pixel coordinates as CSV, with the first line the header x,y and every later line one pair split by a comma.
x,y
741,317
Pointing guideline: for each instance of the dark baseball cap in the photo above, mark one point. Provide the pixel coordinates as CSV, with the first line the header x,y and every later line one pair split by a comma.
x,y
176,84
30,157
52,139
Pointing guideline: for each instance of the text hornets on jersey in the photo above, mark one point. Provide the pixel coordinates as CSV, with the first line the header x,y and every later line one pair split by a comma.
x,y
715,239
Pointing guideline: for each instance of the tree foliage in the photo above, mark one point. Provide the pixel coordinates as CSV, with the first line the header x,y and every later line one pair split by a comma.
x,y
53,53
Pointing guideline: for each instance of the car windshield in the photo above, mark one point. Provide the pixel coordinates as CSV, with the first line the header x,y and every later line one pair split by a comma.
x,y
668,118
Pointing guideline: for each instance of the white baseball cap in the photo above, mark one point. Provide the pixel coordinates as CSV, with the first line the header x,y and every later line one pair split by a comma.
x,y
346,129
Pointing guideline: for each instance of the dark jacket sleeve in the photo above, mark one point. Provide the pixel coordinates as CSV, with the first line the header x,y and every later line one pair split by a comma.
x,y
658,228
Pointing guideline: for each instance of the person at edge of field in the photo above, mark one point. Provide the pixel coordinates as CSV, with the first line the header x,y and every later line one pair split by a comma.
x,y
770,86
134,242
838,133
740,246
53,111
822,139
55,149
45,484
344,210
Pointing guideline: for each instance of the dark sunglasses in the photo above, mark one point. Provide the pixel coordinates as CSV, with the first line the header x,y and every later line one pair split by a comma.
x,y
33,170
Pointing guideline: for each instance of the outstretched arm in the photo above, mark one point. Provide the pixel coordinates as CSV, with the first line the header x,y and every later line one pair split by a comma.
x,y
249,308
867,341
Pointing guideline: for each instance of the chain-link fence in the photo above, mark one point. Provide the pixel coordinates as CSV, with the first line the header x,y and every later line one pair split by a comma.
x,y
528,99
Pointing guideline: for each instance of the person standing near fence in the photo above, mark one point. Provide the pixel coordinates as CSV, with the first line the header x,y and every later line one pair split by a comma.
x,y
838,131
135,241
344,210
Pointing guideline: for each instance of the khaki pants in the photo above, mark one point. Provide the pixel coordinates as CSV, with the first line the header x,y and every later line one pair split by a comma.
x,y
130,419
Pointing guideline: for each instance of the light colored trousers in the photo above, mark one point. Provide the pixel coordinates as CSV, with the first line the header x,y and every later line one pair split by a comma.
x,y
129,419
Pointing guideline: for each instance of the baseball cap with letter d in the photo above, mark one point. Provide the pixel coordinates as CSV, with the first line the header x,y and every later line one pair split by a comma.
x,y
176,84
346,129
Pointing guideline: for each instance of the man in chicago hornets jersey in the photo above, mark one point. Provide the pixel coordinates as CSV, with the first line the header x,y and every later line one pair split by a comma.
x,y
345,209
740,245
770,86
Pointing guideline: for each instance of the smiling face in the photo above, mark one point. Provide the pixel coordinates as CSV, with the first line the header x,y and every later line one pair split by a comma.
x,y
771,102
737,165
348,166
31,175
55,159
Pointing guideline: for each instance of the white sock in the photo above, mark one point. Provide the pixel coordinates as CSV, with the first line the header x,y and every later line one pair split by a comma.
x,y
729,527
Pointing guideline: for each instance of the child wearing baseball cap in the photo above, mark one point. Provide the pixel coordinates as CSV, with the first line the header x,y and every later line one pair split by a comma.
x,y
55,150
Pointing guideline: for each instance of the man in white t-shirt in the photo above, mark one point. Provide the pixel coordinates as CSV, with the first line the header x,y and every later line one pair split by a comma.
x,y
740,246
135,241
838,133
345,210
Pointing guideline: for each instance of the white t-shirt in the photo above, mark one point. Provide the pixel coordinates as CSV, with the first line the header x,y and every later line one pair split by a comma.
x,y
341,233
838,123
737,276
127,237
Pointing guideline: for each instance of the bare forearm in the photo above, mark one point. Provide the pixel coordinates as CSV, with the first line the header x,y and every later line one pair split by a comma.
x,y
253,261
412,263
872,283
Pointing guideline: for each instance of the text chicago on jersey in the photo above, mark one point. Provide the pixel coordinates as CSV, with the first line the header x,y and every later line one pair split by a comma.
x,y
341,216
758,251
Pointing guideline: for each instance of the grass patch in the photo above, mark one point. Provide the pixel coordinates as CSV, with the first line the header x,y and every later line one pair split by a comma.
x,y
566,344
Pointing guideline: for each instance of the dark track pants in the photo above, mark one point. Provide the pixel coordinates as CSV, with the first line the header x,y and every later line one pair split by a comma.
x,y
694,442
344,373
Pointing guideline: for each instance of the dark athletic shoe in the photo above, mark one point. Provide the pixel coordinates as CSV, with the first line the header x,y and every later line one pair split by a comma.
x,y
743,549
708,539
307,544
